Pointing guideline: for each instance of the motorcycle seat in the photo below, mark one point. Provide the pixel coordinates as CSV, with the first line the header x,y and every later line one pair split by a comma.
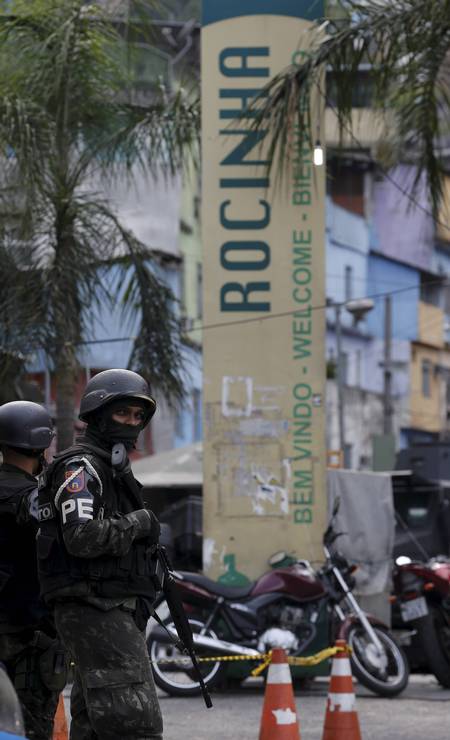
x,y
221,589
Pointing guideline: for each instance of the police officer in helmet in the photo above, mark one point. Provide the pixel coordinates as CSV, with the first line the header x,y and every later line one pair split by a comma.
x,y
32,655
94,551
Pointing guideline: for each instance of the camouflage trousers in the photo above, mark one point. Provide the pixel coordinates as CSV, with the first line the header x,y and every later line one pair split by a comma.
x,y
22,660
113,695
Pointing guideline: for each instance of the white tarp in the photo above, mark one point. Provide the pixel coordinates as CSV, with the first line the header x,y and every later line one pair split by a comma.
x,y
179,468
366,513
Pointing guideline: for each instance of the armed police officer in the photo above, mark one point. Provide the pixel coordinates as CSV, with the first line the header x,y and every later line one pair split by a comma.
x,y
32,655
94,550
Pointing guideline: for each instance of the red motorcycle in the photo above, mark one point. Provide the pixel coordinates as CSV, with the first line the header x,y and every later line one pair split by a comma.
x,y
292,606
422,601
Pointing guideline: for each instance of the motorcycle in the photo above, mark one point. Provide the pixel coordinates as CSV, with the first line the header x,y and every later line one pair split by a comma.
x,y
284,608
421,601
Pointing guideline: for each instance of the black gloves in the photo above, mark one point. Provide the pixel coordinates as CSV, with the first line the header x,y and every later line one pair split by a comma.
x,y
145,523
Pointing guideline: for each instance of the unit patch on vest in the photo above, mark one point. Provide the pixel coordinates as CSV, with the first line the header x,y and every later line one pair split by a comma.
x,y
76,484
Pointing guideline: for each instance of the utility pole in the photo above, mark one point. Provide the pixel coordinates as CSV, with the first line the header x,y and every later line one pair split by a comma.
x,y
340,382
387,365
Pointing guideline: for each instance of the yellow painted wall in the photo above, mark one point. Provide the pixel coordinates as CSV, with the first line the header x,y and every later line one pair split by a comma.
x,y
426,412
431,324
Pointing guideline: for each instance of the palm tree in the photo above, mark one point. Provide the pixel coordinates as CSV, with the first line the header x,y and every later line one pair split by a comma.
x,y
66,125
407,45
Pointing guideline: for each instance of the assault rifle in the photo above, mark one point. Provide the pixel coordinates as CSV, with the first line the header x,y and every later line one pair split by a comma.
x,y
163,576
165,582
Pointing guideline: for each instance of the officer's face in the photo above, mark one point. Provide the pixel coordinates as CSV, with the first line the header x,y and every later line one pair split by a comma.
x,y
132,415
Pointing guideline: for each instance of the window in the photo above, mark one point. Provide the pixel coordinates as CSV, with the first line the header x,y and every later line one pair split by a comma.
x,y
362,92
345,185
426,378
431,292
348,282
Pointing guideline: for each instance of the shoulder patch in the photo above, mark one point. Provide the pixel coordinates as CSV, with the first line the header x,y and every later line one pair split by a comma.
x,y
76,483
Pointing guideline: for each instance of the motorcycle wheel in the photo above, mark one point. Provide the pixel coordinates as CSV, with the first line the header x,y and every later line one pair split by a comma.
x,y
389,682
434,636
173,671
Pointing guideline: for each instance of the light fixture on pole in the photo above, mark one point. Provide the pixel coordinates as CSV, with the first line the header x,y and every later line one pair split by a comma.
x,y
318,154
359,308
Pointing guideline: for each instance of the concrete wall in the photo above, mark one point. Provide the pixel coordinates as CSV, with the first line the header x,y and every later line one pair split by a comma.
x,y
363,419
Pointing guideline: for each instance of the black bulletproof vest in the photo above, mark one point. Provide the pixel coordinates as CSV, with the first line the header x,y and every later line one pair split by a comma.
x,y
19,585
108,576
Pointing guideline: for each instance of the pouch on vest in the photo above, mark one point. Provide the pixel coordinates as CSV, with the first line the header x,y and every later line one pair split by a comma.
x,y
53,666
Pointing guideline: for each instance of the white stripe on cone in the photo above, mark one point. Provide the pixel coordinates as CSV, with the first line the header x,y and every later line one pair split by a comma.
x,y
285,716
279,673
341,667
341,702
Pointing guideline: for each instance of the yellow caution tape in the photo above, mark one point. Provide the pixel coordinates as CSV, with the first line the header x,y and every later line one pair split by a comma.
x,y
318,657
265,659
260,668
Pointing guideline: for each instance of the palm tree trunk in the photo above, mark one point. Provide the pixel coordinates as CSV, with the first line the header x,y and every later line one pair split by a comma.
x,y
66,376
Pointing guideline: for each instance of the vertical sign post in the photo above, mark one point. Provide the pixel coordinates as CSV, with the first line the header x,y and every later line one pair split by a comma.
x,y
264,358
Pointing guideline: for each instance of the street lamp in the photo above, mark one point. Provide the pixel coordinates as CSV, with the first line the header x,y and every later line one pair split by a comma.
x,y
358,307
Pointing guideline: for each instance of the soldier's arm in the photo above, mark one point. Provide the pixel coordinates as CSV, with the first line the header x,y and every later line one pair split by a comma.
x,y
86,534
27,512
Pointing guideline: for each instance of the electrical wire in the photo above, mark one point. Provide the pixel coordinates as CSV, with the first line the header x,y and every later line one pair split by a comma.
x,y
280,314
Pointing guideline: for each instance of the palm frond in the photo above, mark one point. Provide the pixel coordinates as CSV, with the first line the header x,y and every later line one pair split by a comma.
x,y
405,44
68,130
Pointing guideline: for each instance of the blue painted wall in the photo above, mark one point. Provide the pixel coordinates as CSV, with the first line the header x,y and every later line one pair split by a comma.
x,y
347,245
385,275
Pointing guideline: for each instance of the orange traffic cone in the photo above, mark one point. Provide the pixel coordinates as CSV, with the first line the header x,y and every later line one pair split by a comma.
x,y
60,723
341,718
279,719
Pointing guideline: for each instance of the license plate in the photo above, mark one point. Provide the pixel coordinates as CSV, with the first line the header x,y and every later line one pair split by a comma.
x,y
414,609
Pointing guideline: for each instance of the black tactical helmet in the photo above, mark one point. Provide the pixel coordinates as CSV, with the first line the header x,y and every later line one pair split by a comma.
x,y
26,425
112,385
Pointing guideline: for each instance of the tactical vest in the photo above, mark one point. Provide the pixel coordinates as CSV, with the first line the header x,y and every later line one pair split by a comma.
x,y
107,576
19,586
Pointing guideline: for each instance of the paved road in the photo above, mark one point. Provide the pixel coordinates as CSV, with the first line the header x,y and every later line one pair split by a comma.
x,y
422,711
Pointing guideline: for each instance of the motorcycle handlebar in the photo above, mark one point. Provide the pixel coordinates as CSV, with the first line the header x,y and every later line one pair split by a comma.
x,y
331,536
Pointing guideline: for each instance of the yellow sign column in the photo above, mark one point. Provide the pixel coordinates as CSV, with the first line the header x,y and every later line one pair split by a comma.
x,y
263,343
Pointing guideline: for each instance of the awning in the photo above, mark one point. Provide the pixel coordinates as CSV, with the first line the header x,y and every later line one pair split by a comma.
x,y
179,468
